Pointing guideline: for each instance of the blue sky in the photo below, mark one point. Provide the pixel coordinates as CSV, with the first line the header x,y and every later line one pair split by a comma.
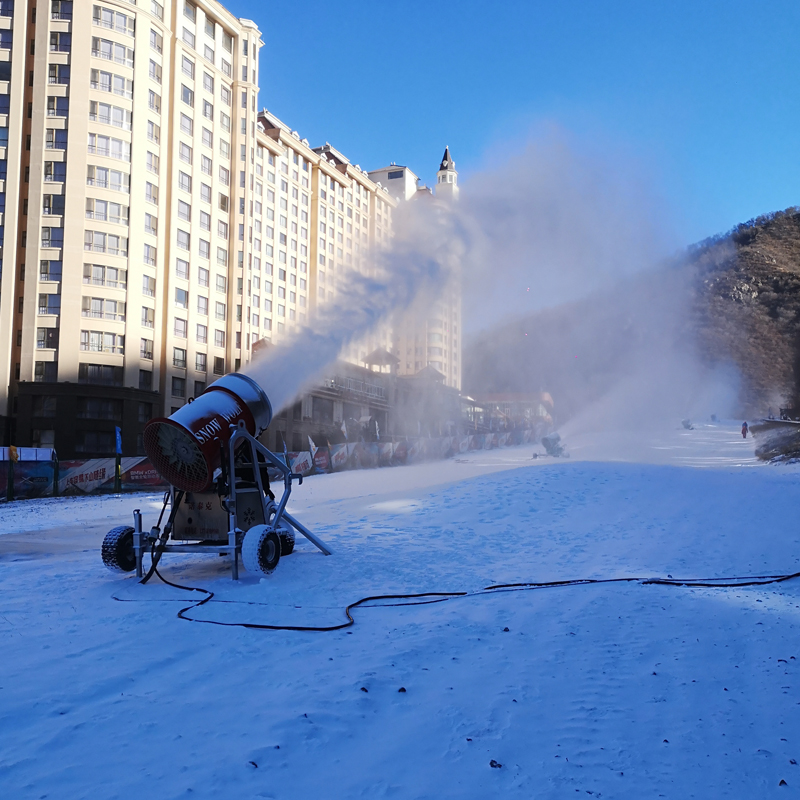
x,y
700,98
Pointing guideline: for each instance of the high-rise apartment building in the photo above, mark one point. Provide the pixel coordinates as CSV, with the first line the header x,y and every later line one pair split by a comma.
x,y
132,126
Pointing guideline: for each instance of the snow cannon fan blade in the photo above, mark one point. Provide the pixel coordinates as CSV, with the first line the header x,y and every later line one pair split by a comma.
x,y
185,447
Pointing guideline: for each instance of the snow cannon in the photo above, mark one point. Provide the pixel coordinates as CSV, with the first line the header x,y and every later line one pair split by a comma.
x,y
220,498
186,448
552,444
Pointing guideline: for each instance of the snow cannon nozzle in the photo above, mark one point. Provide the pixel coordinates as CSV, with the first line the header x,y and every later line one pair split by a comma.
x,y
185,448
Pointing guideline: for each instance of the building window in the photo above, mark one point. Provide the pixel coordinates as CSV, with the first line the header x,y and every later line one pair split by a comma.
x,y
100,275
219,338
200,360
179,387
219,366
179,357
47,338
50,270
202,334
59,9
101,308
102,374
102,342
181,328
113,20
181,298
146,349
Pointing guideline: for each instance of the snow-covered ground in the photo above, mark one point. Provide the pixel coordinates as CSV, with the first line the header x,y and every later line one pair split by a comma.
x,y
615,690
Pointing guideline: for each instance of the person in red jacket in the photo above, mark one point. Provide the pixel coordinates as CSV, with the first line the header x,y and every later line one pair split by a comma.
x,y
744,430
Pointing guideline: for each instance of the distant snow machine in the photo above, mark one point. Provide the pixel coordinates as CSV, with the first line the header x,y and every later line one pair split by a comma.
x,y
220,498
553,447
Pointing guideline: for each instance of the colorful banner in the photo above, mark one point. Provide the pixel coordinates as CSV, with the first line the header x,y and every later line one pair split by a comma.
x,y
338,456
31,479
82,477
142,477
385,452
301,463
400,452
322,460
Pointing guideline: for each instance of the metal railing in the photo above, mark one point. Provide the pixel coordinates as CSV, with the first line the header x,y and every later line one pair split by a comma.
x,y
356,386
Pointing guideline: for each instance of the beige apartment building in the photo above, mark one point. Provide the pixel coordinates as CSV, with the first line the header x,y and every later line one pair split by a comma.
x,y
156,227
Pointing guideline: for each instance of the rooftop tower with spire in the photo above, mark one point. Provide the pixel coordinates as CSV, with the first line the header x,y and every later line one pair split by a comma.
x,y
447,177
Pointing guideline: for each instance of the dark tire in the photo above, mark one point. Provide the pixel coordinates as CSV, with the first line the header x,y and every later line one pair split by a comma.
x,y
287,543
285,532
118,552
261,549
286,535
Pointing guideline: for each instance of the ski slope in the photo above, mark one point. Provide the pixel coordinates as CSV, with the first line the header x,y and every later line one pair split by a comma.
x,y
615,690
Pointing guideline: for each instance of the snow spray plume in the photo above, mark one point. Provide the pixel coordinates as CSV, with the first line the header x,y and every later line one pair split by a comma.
x,y
552,224
584,299
624,359
420,262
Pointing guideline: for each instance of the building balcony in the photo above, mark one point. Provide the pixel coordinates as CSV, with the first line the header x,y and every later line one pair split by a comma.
x,y
355,386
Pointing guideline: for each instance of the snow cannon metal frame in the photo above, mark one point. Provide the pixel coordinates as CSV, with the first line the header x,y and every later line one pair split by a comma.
x,y
220,498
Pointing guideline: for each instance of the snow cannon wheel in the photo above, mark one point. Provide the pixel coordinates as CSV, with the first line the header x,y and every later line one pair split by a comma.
x,y
286,535
118,552
261,549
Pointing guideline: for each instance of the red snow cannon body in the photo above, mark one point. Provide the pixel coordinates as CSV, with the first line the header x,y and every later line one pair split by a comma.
x,y
185,448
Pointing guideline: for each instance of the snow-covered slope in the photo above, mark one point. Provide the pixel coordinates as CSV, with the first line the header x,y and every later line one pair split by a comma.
x,y
618,690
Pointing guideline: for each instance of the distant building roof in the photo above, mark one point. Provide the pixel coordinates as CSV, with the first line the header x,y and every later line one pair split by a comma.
x,y
430,373
447,162
381,358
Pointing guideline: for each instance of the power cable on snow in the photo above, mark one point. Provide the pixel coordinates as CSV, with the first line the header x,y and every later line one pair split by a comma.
x,y
440,597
